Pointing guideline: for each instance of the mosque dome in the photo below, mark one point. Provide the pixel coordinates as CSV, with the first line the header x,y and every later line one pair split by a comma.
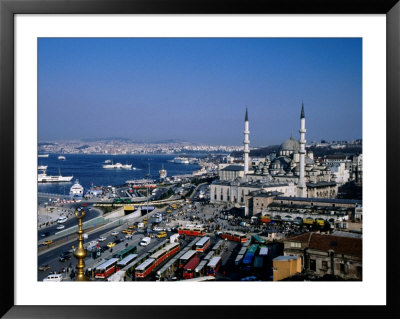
x,y
290,145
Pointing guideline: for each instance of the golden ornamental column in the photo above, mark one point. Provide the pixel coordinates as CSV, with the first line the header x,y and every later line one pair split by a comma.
x,y
80,252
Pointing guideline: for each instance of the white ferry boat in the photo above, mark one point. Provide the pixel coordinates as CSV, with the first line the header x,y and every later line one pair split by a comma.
x,y
44,178
181,160
118,165
62,158
76,190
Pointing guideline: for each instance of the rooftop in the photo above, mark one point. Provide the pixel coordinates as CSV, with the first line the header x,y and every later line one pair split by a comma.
x,y
321,200
339,244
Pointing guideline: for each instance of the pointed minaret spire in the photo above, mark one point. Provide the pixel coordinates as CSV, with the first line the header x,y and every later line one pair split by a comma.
x,y
246,143
301,186
302,111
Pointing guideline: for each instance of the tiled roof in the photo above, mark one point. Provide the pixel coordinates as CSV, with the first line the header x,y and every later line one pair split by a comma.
x,y
321,200
233,168
339,244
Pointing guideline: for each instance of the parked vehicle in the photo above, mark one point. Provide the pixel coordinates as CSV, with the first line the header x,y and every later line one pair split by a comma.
x,y
53,277
44,267
145,241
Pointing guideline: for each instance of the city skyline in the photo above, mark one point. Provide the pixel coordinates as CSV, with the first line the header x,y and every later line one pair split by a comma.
x,y
198,89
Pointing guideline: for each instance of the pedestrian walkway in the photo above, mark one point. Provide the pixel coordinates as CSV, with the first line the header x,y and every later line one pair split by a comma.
x,y
48,215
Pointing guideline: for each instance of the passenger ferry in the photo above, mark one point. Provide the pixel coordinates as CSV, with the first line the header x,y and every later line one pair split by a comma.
x,y
181,160
76,190
118,165
44,178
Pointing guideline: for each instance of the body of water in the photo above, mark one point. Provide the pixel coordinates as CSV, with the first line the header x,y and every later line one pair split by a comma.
x,y
88,169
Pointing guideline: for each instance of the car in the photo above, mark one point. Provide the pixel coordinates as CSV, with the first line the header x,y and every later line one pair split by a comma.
x,y
101,238
118,240
114,233
45,234
158,229
169,229
145,219
132,227
129,232
65,255
48,242
44,267
161,234
126,231
111,244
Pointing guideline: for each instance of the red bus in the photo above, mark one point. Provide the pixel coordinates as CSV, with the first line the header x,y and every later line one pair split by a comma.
x,y
188,270
234,236
164,253
186,258
203,244
106,269
213,266
145,268
192,230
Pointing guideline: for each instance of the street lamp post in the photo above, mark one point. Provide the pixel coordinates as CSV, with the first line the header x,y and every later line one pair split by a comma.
x,y
80,252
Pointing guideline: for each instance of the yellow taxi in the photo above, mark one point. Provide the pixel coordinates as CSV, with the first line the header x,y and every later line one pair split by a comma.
x,y
169,210
126,231
129,231
110,244
145,219
48,242
161,234
132,227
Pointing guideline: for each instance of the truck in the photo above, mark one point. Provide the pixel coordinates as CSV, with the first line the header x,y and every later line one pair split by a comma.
x,y
174,238
145,241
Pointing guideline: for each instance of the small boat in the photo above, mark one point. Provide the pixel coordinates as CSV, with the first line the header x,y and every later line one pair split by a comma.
x,y
60,227
42,167
107,161
62,158
43,155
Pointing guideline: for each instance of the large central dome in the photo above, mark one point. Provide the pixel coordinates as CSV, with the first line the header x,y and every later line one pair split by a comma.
x,y
290,145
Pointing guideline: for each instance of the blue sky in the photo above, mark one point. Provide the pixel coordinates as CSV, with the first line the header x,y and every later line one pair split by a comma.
x,y
197,89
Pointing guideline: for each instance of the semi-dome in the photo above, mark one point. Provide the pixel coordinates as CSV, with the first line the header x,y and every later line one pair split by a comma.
x,y
290,145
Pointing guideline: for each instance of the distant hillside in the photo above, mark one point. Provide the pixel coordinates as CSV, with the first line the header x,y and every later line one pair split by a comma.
x,y
318,151
264,151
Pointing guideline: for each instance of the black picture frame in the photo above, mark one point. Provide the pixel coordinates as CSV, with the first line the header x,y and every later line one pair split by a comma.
x,y
8,8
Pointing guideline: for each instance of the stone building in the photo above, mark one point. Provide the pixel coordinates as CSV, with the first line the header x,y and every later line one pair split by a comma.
x,y
327,255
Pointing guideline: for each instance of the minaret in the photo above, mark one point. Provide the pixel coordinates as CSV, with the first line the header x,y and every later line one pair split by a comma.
x,y
246,143
301,186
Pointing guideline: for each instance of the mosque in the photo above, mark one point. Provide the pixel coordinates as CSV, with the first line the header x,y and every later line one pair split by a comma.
x,y
292,172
